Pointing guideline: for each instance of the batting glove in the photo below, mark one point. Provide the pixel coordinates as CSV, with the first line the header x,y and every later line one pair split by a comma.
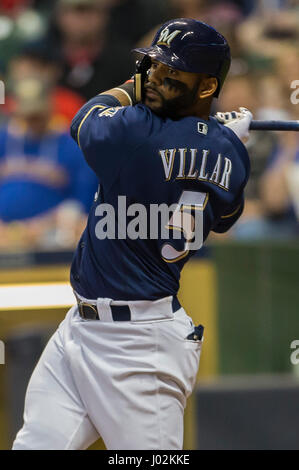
x,y
140,77
238,122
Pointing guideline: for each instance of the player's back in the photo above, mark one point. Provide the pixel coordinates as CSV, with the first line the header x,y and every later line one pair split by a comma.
x,y
160,180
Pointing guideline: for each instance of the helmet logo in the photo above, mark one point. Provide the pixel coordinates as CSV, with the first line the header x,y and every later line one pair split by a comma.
x,y
166,37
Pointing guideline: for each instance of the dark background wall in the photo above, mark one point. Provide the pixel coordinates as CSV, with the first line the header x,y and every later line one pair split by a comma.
x,y
258,306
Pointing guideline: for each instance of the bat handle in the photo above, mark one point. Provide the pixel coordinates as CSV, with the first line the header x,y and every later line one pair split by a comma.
x,y
274,126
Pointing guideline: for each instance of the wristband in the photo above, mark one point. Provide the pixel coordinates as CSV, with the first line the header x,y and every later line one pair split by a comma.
x,y
128,89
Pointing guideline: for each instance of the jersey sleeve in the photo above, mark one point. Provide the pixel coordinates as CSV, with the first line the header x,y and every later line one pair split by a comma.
x,y
232,212
230,216
108,134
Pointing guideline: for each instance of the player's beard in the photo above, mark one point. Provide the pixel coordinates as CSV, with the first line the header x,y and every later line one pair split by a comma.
x,y
177,107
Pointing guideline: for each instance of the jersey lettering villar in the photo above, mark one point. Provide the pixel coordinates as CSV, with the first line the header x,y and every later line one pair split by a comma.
x,y
148,160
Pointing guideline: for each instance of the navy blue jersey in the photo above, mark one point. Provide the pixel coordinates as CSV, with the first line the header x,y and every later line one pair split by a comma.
x,y
142,159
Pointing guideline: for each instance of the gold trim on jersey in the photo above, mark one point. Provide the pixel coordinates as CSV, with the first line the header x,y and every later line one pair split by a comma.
x,y
233,213
100,106
172,227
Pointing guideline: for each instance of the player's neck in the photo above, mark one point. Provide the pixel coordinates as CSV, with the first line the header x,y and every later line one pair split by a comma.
x,y
201,109
204,116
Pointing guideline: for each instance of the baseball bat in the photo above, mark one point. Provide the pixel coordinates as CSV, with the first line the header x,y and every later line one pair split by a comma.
x,y
274,126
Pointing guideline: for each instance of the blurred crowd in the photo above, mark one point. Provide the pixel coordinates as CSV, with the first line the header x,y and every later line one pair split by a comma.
x,y
55,55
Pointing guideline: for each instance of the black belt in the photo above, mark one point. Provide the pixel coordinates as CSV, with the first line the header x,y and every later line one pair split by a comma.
x,y
119,312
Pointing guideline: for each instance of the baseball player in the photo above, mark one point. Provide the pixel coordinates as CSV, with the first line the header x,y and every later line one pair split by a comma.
x,y
123,362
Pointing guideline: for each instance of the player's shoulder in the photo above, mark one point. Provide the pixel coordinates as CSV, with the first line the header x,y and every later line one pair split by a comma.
x,y
129,114
230,142
138,113
135,126
101,122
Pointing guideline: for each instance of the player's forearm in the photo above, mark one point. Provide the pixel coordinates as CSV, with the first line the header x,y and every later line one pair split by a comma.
x,y
123,93
98,102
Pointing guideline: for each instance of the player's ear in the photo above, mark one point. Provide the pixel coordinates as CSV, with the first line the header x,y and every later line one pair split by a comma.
x,y
207,87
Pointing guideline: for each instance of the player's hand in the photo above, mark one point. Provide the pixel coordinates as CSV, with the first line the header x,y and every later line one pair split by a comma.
x,y
142,68
238,122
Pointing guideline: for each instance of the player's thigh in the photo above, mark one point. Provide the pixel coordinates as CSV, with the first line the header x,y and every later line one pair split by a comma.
x,y
139,402
54,415
146,414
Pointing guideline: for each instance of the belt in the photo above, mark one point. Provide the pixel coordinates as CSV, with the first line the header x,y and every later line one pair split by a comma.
x,y
89,311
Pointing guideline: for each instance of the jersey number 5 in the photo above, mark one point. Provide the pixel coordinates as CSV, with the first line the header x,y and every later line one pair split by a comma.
x,y
183,220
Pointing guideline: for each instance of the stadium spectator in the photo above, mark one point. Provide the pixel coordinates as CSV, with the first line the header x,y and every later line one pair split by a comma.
x,y
245,90
92,60
37,61
18,24
270,34
240,90
41,169
279,190
130,20
276,214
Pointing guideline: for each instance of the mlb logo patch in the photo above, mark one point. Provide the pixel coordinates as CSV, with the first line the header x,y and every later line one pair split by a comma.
x,y
202,128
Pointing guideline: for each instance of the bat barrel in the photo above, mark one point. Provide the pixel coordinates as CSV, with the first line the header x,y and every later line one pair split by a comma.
x,y
274,125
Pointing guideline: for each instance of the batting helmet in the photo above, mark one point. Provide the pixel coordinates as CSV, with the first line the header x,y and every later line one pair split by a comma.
x,y
191,46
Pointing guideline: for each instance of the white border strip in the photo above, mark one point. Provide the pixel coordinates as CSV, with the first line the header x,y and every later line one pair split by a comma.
x,y
36,295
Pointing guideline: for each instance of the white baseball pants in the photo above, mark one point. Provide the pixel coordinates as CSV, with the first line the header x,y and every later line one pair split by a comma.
x,y
124,381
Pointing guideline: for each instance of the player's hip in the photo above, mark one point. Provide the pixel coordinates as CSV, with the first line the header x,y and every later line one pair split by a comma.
x,y
165,317
159,342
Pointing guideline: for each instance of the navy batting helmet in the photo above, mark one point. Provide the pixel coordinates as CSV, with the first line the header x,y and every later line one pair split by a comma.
x,y
191,46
